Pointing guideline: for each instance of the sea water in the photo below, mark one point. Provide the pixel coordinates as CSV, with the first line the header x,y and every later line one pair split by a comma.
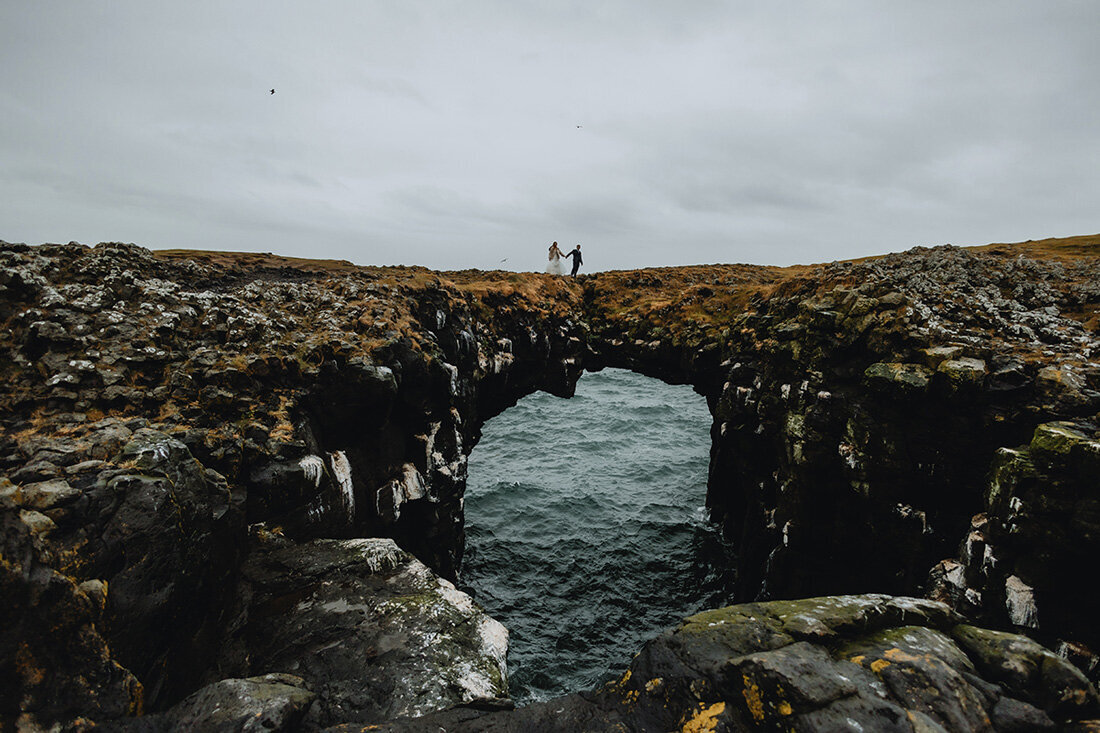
x,y
586,532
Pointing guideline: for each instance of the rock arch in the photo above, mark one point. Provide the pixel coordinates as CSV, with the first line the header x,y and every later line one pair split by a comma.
x,y
864,413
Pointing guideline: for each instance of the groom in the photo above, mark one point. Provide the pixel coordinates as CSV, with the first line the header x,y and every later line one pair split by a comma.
x,y
575,253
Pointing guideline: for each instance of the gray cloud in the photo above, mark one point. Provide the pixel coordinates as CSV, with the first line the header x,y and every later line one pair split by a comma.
x,y
447,135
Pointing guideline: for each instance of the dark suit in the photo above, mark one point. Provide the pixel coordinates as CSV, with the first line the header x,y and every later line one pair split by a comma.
x,y
577,261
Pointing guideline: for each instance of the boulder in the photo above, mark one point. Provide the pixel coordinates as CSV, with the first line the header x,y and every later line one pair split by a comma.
x,y
271,703
1028,671
963,373
374,632
866,662
898,378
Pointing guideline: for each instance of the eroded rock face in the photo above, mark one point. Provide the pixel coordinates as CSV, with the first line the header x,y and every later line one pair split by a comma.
x,y
274,703
133,545
55,664
368,627
870,662
155,407
1021,563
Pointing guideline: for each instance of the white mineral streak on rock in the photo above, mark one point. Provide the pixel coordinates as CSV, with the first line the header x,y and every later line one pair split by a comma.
x,y
408,487
502,362
474,676
381,554
387,495
341,469
313,467
989,560
1020,602
455,597
494,644
452,371
412,482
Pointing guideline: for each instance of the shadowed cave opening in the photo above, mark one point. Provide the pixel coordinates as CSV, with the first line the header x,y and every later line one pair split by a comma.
x,y
586,529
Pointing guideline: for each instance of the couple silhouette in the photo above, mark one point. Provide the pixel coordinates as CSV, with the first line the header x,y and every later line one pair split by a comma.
x,y
556,255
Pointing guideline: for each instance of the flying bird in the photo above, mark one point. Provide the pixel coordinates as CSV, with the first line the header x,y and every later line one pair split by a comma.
x,y
579,127
272,91
505,259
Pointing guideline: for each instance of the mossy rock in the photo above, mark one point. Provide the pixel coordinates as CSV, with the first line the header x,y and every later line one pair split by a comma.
x,y
937,355
1028,671
923,670
1064,443
1012,469
916,640
835,616
1056,439
902,378
963,373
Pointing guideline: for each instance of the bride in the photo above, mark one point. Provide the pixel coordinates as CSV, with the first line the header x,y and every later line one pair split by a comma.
x,y
554,266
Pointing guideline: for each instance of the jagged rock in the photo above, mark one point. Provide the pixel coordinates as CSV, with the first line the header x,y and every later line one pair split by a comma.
x,y
1020,566
46,494
373,631
963,373
271,702
904,378
830,413
167,547
873,663
1029,671
55,664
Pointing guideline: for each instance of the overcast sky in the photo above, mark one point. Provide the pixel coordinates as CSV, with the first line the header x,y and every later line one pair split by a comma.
x,y
458,134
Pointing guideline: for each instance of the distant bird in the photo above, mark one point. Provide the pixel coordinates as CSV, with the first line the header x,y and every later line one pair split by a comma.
x,y
505,259
272,91
579,127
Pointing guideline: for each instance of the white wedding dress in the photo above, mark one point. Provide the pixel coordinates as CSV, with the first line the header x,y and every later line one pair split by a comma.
x,y
553,267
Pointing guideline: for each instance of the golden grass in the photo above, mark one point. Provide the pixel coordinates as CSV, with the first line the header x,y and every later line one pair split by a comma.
x,y
703,294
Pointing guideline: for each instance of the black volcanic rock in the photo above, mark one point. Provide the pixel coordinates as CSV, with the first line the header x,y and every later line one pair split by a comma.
x,y
368,627
870,662
156,405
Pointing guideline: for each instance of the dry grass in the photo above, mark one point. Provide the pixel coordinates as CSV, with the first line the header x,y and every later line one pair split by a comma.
x,y
1065,249
703,294
256,260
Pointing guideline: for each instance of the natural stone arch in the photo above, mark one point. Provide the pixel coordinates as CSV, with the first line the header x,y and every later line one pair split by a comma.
x,y
834,380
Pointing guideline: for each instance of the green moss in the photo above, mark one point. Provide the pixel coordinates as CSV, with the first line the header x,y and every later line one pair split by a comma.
x,y
900,377
1055,440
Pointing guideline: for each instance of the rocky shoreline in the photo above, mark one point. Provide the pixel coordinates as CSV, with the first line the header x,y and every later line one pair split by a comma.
x,y
204,455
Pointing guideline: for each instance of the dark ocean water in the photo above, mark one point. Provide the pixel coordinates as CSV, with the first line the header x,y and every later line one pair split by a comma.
x,y
586,533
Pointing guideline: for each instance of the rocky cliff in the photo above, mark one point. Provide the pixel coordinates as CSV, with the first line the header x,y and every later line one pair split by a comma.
x,y
193,444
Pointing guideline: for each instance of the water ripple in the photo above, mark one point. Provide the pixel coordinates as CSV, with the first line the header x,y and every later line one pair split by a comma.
x,y
586,533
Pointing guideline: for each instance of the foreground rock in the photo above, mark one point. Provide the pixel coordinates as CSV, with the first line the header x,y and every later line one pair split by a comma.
x,y
120,566
871,663
268,704
337,630
371,630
